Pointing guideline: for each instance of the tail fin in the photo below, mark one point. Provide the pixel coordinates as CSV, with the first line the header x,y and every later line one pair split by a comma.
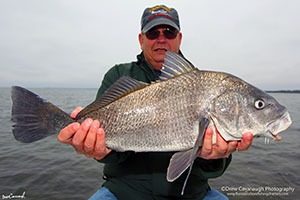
x,y
34,117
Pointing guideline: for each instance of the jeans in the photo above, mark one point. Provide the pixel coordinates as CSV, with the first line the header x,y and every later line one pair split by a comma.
x,y
105,194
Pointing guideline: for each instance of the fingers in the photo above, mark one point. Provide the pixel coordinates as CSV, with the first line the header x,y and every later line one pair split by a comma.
x,y
246,141
222,148
232,145
79,137
75,112
207,146
89,142
66,134
100,150
86,138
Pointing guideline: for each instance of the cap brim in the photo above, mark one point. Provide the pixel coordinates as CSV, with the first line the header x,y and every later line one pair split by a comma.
x,y
159,21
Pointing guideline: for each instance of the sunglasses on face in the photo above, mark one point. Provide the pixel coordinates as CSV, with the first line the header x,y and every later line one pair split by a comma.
x,y
169,33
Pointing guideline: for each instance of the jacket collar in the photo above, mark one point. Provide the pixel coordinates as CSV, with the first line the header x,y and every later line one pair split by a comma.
x,y
150,72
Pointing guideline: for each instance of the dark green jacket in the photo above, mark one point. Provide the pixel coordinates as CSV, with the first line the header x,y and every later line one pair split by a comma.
x,y
139,176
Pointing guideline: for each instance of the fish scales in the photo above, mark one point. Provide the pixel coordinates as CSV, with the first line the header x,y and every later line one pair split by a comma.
x,y
164,112
160,117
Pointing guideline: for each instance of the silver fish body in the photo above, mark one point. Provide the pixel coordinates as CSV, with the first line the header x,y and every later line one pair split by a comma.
x,y
164,115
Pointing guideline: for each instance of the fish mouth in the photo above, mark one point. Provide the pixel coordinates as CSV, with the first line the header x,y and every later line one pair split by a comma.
x,y
278,125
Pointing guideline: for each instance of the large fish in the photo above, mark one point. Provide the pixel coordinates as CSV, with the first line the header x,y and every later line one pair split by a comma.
x,y
170,114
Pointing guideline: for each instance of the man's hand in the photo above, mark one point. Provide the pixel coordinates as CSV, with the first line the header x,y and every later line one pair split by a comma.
x,y
87,138
222,149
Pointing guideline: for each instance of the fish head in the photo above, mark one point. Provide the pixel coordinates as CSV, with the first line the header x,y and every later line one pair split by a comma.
x,y
242,108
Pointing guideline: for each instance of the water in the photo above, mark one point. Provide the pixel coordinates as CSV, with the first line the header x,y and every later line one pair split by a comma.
x,y
48,169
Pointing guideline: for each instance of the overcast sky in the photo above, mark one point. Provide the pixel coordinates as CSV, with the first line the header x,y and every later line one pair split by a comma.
x,y
72,43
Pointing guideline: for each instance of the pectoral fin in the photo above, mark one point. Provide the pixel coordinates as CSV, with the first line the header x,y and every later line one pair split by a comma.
x,y
178,164
182,160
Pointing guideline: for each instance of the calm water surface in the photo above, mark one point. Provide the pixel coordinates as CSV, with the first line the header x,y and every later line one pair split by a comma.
x,y
48,169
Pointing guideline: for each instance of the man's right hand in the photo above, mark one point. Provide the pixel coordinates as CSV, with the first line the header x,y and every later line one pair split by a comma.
x,y
87,138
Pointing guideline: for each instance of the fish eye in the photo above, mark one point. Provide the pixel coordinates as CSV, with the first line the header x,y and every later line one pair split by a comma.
x,y
259,104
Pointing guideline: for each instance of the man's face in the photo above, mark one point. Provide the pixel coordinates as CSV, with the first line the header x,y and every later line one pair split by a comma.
x,y
155,49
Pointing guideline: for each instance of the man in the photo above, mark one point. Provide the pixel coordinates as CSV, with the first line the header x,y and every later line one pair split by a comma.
x,y
131,175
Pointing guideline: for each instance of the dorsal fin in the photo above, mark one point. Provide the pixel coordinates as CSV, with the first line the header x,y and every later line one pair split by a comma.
x,y
118,89
174,65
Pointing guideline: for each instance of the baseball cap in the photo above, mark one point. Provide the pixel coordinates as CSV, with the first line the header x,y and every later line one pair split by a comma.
x,y
159,15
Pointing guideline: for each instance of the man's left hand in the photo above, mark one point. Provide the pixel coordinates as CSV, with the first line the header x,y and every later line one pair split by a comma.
x,y
222,148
